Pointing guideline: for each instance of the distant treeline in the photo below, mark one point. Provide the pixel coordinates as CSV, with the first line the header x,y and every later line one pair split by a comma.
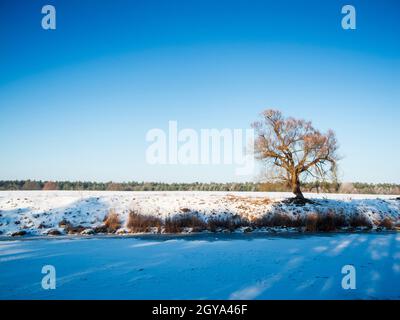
x,y
356,187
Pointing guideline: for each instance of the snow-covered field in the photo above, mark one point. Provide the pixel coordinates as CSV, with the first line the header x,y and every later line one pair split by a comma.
x,y
37,212
205,266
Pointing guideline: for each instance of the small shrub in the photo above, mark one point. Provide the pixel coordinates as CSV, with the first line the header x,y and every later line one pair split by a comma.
x,y
69,227
276,220
19,233
100,229
177,223
260,222
64,223
279,220
53,232
229,223
43,226
142,223
360,220
386,223
330,222
112,221
297,223
325,222
311,222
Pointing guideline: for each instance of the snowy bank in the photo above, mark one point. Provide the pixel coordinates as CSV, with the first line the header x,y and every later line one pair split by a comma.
x,y
58,212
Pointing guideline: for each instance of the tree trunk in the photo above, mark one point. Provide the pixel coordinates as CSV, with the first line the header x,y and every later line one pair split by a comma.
x,y
296,187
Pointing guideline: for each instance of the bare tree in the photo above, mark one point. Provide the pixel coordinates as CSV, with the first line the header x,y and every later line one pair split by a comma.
x,y
294,150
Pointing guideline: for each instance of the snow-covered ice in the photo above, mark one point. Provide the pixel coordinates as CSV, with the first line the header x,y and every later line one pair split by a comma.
x,y
206,266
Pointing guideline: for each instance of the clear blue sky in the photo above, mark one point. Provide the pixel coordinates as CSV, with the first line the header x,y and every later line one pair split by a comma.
x,y
76,102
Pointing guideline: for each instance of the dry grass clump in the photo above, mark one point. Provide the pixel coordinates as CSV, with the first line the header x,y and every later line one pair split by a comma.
x,y
178,222
226,223
142,223
112,221
360,220
311,222
276,220
74,229
331,222
325,222
386,223
70,228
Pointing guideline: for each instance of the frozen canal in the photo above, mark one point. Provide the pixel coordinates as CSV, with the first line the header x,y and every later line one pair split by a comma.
x,y
209,266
